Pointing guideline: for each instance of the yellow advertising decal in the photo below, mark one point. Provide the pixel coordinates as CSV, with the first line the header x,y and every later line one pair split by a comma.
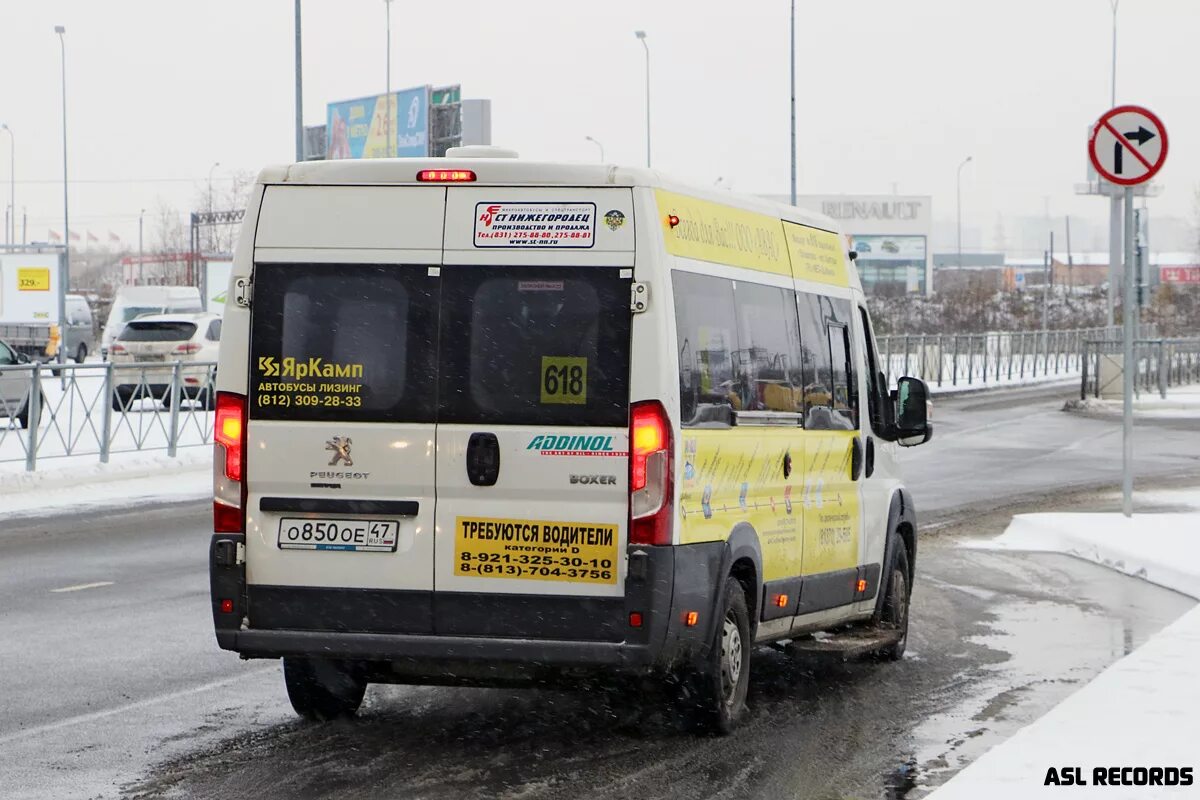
x,y
308,382
830,501
33,279
722,234
564,380
816,255
807,523
539,550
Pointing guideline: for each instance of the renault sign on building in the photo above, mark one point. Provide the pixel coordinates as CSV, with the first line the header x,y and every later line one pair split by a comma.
x,y
890,233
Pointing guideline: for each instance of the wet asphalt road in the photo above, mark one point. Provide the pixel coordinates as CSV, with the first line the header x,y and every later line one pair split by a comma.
x,y
119,690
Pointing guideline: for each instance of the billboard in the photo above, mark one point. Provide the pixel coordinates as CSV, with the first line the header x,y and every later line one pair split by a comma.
x,y
1179,274
890,248
364,128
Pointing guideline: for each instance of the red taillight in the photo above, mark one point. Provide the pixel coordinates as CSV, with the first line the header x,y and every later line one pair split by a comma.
x,y
650,474
445,176
230,431
188,348
117,348
227,605
227,518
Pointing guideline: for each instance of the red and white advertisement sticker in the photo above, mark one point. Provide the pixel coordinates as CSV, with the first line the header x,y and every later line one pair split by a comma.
x,y
535,224
1179,274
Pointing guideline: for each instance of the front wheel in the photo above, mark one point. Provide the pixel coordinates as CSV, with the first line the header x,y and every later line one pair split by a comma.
x,y
719,684
320,689
893,615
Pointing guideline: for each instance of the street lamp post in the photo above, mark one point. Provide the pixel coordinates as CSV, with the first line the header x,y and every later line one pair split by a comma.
x,y
11,234
65,276
792,41
211,228
958,198
299,92
641,35
387,125
141,270
595,142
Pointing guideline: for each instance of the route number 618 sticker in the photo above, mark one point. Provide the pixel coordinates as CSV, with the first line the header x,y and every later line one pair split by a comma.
x,y
564,380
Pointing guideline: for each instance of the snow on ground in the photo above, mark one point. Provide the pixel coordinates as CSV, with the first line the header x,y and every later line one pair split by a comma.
x,y
1139,713
1181,401
77,483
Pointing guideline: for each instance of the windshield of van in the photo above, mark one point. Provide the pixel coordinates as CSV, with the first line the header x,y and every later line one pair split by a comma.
x,y
133,312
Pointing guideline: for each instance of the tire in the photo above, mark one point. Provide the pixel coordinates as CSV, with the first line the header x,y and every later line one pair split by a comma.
x,y
23,415
719,683
81,354
893,614
323,690
121,399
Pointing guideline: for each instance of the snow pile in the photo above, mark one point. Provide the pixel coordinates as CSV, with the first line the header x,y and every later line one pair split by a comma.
x,y
79,482
1140,712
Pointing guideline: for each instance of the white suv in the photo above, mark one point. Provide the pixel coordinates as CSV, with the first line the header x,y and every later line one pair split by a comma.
x,y
153,344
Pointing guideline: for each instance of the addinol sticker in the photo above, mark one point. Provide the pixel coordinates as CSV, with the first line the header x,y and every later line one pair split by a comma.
x,y
554,445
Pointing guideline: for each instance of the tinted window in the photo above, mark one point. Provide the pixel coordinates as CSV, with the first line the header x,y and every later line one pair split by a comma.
x,y
710,385
157,332
768,357
815,367
133,312
343,342
530,346
214,331
876,381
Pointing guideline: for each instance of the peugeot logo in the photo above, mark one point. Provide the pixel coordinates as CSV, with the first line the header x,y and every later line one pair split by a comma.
x,y
340,445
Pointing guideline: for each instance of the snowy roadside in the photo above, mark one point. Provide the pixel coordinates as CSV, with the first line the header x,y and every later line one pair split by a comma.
x,y
1181,401
80,483
948,390
1140,713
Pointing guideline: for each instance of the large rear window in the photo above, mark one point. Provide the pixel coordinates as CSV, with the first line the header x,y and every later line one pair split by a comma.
x,y
157,332
535,346
352,342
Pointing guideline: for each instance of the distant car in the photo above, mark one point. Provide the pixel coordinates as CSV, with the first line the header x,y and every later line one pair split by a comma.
x,y
164,338
78,329
889,246
862,247
14,387
134,302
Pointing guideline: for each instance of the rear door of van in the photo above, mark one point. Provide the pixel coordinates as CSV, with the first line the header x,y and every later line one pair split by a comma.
x,y
340,449
532,454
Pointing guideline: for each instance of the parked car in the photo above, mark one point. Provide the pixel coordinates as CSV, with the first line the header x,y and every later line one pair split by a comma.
x,y
164,339
14,387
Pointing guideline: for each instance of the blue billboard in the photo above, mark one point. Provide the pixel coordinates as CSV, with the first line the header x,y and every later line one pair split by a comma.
x,y
364,128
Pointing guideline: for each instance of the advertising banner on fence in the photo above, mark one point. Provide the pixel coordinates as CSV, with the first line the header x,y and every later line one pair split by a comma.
x,y
360,128
216,284
1179,274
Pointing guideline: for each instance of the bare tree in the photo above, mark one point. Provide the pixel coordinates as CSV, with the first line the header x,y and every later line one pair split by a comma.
x,y
229,194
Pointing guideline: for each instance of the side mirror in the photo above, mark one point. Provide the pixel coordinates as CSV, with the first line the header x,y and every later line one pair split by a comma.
x,y
22,358
912,413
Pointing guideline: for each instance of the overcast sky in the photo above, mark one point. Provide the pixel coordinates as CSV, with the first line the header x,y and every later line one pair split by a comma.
x,y
890,94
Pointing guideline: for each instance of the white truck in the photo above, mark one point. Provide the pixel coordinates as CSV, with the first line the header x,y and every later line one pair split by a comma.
x,y
29,309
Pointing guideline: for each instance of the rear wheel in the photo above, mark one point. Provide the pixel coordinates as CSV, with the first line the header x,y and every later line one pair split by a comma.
x,y
893,615
321,689
121,398
81,353
718,686
23,415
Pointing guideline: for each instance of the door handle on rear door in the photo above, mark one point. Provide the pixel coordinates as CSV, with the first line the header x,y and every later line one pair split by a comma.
x,y
483,459
856,459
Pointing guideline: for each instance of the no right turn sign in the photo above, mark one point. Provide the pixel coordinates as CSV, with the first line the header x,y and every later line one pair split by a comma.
x,y
1128,145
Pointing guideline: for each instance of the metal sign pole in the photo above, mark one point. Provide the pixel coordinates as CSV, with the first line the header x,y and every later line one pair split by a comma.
x,y
1129,366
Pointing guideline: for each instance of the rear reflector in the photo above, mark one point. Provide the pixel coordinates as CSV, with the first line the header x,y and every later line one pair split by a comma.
x,y
691,618
226,606
227,518
445,176
188,348
635,619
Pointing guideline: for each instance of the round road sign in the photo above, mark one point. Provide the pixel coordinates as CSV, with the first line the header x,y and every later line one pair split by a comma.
x,y
1128,145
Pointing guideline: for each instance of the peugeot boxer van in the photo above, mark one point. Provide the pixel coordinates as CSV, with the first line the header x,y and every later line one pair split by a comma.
x,y
482,420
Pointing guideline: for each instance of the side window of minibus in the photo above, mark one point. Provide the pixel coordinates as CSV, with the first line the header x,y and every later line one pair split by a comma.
x,y
707,340
845,387
769,359
816,369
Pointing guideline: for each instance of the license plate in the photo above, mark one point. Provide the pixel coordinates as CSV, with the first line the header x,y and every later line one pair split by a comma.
x,y
353,535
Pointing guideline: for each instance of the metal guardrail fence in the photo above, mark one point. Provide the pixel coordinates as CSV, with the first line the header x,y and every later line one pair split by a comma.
x,y
55,411
1159,364
991,359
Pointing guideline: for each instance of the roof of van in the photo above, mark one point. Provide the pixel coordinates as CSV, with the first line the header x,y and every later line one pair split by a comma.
x,y
137,293
517,172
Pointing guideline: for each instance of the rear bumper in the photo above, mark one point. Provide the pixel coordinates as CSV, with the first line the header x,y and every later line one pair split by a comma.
x,y
433,651
424,635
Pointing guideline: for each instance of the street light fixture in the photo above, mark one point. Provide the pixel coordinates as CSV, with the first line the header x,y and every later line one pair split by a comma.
x,y
966,161
641,35
11,234
595,142
387,125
